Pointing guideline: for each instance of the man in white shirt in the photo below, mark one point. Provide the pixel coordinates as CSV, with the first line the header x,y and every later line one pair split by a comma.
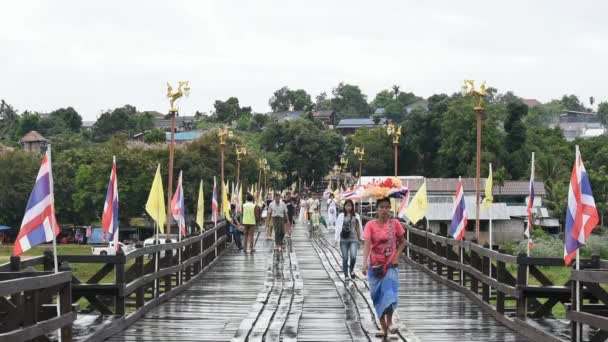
x,y
277,210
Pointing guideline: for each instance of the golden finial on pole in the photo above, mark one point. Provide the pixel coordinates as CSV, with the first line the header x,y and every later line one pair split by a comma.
x,y
359,153
395,132
242,151
222,133
183,89
479,94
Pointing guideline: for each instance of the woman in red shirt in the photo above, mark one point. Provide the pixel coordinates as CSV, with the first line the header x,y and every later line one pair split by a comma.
x,y
384,242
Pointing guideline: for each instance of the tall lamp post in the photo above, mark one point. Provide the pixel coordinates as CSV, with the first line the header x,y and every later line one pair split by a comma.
x,y
359,153
183,89
239,152
395,133
344,169
266,171
479,94
262,162
223,133
337,174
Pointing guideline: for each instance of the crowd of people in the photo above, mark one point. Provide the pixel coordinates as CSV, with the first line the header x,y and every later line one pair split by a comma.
x,y
383,239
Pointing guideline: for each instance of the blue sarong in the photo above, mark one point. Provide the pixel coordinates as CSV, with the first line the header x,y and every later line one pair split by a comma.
x,y
385,291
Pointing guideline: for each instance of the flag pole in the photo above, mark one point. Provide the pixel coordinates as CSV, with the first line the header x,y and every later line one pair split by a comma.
x,y
578,267
55,262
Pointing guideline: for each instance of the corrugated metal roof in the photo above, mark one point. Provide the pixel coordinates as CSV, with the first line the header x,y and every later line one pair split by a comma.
x,y
443,211
448,185
363,122
184,136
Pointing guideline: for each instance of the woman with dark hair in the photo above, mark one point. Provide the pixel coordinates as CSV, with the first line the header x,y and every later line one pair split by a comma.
x,y
348,233
384,242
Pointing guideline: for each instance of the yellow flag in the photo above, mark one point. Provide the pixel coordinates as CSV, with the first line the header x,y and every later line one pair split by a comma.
x,y
487,201
200,207
156,202
226,203
419,206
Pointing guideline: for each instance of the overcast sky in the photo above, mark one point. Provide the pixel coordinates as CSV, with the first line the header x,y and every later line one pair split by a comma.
x,y
98,55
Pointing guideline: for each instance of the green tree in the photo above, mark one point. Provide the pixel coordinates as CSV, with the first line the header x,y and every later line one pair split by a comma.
x,y
378,150
602,112
27,122
71,118
9,119
258,121
227,111
571,102
323,102
515,138
112,122
155,136
17,178
286,99
349,101
300,147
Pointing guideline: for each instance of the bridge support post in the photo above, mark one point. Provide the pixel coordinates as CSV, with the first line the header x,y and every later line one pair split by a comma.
x,y
119,300
139,268
168,263
65,304
522,281
448,255
500,277
485,268
474,261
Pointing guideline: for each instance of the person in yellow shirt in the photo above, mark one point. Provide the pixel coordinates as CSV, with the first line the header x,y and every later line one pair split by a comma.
x,y
249,222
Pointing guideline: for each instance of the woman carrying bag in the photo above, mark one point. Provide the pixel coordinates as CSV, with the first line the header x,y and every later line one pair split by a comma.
x,y
384,243
348,234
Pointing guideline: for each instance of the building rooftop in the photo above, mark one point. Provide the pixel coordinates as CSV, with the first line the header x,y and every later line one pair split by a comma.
x,y
448,185
32,136
184,136
531,102
357,123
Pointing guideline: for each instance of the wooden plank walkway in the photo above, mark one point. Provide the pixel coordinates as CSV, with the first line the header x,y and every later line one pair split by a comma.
x,y
301,295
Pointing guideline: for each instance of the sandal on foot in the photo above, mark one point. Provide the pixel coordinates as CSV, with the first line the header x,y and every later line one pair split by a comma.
x,y
394,330
380,334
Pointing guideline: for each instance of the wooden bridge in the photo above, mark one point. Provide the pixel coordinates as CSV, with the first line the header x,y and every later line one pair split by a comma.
x,y
220,294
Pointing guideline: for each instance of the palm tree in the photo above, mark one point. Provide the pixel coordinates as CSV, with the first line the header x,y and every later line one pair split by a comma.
x,y
396,90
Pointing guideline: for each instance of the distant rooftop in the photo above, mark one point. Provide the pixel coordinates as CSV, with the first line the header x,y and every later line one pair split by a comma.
x,y
358,123
32,136
184,136
531,102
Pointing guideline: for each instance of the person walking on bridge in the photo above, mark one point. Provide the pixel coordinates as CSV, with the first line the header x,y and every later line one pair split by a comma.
x,y
277,210
348,233
314,211
249,222
332,212
384,242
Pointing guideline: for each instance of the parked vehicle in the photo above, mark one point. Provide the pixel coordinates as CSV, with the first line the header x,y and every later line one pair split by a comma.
x,y
110,249
161,240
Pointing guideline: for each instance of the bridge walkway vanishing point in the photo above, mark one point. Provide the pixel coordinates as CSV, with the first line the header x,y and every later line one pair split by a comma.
x,y
301,295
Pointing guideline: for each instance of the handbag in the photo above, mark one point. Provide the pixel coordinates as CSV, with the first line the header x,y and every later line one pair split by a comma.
x,y
379,270
345,232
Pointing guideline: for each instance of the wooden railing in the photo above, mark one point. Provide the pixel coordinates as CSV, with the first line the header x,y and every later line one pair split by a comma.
x,y
27,311
515,289
128,285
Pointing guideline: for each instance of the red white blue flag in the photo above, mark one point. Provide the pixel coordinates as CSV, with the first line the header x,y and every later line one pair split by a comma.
x,y
109,218
177,206
529,206
214,205
39,224
404,202
459,215
581,214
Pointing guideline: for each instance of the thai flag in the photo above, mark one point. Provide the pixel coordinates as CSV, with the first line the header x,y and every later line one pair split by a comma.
x,y
177,206
109,218
39,224
353,195
459,216
214,205
529,207
581,214
403,206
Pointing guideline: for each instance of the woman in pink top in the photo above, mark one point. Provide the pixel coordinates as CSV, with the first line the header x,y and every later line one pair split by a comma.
x,y
384,242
